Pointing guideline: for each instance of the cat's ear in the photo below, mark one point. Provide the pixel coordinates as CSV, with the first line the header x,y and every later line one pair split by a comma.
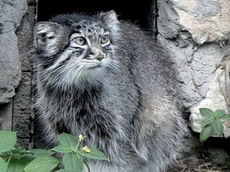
x,y
47,37
110,20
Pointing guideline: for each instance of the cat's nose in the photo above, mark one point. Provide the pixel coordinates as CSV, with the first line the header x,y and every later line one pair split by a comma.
x,y
100,55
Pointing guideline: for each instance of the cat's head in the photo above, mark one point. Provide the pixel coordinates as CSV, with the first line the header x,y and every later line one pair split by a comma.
x,y
77,49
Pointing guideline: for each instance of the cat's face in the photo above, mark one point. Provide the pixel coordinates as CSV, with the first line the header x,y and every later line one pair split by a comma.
x,y
79,52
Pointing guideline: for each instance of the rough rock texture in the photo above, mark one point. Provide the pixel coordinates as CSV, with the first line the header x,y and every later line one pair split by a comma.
x,y
196,34
11,14
22,109
16,24
216,98
207,21
6,116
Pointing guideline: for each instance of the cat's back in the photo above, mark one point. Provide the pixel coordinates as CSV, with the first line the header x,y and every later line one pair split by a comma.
x,y
148,61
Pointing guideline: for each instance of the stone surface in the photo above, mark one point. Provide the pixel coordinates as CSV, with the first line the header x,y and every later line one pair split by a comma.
x,y
11,14
215,99
6,116
16,25
25,38
207,21
195,34
22,108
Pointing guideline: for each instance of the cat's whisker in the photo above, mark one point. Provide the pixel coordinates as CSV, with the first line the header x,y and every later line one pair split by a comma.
x,y
57,73
69,72
77,76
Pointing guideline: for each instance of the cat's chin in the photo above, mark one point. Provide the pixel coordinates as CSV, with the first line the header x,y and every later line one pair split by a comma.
x,y
91,76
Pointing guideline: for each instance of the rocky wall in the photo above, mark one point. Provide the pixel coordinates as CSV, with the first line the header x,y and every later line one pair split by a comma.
x,y
17,18
196,34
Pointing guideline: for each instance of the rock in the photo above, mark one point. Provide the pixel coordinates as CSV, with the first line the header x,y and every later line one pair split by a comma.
x,y
194,67
23,113
10,73
196,34
11,14
22,107
216,98
207,21
6,116
25,38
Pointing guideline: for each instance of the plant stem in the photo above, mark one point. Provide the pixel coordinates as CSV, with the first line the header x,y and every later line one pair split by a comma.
x,y
78,143
9,159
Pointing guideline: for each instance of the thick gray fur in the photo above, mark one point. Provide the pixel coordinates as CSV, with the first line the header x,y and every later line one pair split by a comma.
x,y
121,95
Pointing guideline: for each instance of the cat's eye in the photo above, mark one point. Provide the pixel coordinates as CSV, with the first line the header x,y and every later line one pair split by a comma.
x,y
80,40
104,39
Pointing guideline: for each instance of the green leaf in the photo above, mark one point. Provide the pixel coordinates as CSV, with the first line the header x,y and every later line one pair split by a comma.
x,y
42,164
36,153
207,121
6,154
206,133
73,161
218,127
68,140
206,112
18,164
3,165
62,149
8,140
94,154
226,117
219,113
18,150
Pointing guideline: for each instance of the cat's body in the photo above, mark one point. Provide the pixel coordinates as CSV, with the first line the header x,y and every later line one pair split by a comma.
x,y
107,80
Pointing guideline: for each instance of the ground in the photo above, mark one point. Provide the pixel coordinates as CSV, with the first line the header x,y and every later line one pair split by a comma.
x,y
212,156
199,164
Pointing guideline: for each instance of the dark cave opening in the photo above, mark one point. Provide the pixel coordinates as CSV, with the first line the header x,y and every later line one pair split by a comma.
x,y
140,13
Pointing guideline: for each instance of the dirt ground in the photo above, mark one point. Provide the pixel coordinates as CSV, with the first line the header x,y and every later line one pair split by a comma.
x,y
212,156
195,164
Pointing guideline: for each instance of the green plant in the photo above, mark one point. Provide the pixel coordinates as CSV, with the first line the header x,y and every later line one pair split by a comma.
x,y
212,123
17,159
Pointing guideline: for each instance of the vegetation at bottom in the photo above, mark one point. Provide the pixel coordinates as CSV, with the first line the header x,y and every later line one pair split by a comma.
x,y
212,123
73,159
